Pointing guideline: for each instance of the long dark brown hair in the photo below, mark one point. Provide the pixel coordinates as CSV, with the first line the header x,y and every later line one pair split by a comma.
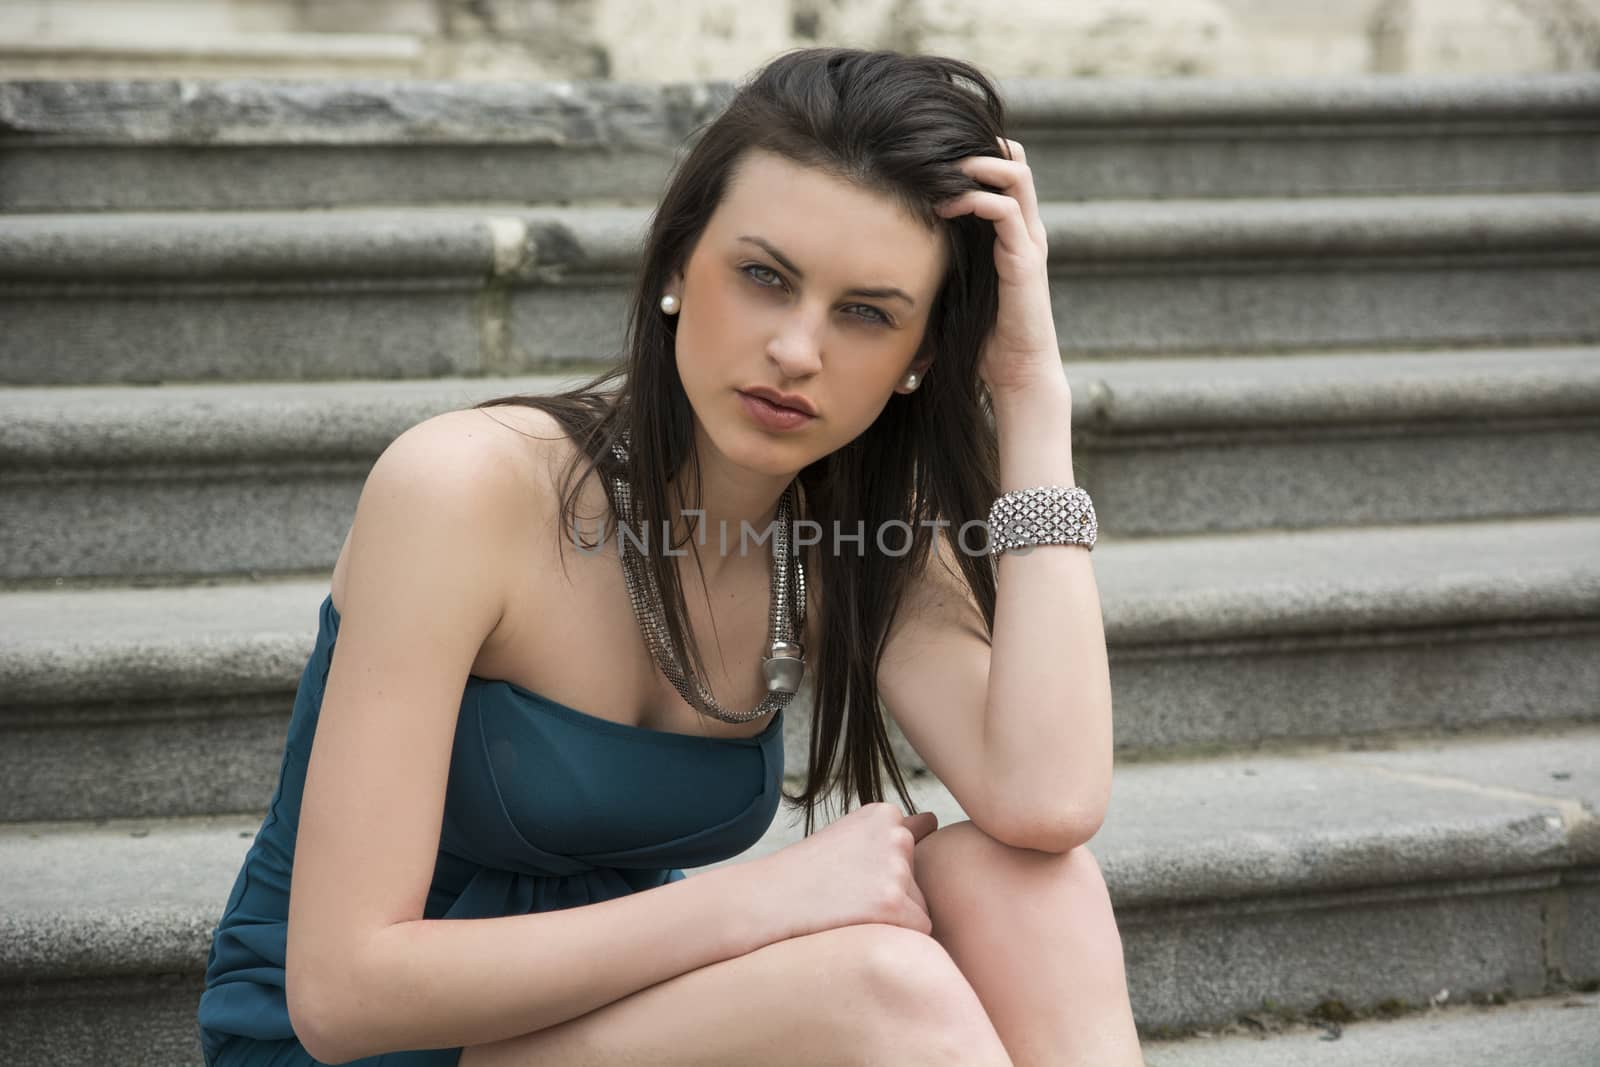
x,y
894,124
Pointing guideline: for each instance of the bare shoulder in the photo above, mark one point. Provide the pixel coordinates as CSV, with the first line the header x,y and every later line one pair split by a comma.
x,y
500,456
527,438
531,453
530,425
534,441
503,441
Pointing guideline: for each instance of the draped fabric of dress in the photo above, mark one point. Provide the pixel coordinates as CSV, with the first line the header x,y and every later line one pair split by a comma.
x,y
546,808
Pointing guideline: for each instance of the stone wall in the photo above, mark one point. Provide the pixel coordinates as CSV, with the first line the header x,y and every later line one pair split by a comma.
x,y
677,40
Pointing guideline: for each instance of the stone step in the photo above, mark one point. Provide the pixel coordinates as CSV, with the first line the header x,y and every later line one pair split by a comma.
x,y
1169,446
53,20
118,482
174,701
111,55
1554,1031
107,145
142,298
1360,881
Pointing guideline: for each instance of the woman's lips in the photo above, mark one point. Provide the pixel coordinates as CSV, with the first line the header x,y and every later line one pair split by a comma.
x,y
771,416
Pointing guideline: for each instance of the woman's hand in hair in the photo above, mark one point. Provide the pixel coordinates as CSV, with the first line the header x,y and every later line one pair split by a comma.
x,y
1022,351
857,869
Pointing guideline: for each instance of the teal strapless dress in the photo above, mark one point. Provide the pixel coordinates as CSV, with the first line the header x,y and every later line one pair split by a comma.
x,y
546,808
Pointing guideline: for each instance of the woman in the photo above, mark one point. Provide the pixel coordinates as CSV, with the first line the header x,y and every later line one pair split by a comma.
x,y
508,734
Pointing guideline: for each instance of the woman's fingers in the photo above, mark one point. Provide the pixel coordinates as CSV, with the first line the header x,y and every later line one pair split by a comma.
x,y
921,824
1005,212
1014,179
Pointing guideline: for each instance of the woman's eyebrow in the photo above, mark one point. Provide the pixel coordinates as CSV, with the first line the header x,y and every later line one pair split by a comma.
x,y
880,294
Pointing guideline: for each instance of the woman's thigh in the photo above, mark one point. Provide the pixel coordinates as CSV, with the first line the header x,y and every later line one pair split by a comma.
x,y
856,995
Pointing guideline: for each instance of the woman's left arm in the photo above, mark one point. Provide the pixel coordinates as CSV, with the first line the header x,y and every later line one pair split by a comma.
x,y
1047,736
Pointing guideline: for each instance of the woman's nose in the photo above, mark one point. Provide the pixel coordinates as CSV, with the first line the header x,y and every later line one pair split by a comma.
x,y
796,347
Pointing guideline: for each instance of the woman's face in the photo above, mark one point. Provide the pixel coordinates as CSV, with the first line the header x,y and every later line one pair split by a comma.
x,y
766,300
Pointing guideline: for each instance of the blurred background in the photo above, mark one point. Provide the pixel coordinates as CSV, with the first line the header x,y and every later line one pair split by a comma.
x,y
657,40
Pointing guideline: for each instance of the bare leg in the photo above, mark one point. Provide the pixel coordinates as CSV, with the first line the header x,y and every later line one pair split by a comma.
x,y
870,995
1035,935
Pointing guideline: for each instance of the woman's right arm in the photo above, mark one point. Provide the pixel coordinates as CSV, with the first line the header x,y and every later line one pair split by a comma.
x,y
438,534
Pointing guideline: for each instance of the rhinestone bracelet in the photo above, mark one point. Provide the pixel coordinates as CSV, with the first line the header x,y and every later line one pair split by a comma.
x,y
1042,515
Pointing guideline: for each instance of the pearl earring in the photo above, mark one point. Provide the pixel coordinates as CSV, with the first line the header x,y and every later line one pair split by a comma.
x,y
910,380
669,304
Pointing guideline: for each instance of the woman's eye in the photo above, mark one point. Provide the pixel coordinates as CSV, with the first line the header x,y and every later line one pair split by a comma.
x,y
876,316
753,269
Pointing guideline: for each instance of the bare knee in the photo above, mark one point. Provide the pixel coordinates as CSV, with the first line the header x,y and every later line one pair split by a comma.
x,y
924,1009
863,995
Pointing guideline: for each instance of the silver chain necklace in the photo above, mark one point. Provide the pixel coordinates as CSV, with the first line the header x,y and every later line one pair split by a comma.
x,y
784,664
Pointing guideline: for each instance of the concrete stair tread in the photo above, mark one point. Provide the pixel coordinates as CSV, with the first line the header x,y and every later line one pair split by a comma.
x,y
516,240
1125,101
1335,387
76,424
168,143
165,111
119,424
59,643
1280,581
131,895
209,44
389,294
1553,1031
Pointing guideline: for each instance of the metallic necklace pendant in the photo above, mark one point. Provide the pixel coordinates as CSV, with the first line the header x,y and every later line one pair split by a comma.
x,y
784,667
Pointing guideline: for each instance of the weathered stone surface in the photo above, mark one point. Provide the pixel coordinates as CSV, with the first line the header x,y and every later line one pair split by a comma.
x,y
1443,1029
206,146
1487,36
507,41
1041,38
127,1019
136,19
668,40
391,16
243,112
189,55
